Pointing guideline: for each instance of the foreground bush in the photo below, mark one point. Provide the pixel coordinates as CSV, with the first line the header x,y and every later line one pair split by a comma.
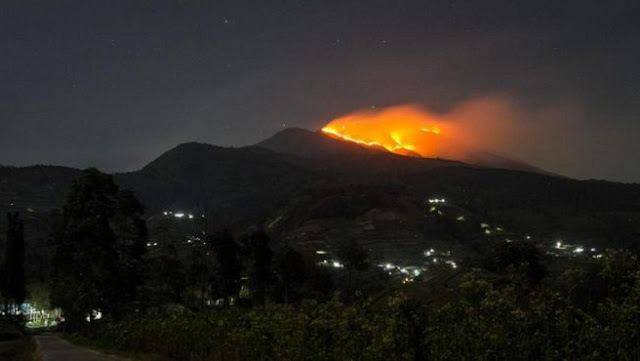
x,y
486,324
15,344
512,321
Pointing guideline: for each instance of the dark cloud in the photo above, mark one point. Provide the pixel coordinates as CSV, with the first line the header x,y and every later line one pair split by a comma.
x,y
113,84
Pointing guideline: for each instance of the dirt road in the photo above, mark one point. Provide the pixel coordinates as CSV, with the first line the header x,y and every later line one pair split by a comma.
x,y
54,348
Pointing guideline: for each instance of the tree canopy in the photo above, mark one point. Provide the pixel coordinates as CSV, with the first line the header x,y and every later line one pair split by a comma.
x,y
12,280
99,246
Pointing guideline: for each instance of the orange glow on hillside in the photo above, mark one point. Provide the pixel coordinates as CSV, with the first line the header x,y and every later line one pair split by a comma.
x,y
406,130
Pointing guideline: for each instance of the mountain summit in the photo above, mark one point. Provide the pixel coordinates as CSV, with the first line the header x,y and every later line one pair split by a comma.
x,y
318,146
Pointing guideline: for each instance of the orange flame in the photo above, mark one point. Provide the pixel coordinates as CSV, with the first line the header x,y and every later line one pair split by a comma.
x,y
406,130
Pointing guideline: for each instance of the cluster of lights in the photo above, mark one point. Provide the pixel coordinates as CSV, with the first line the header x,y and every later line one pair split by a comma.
x,y
179,214
191,239
410,271
487,229
331,263
95,315
436,200
559,245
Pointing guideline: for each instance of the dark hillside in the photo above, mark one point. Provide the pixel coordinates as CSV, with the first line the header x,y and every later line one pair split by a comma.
x,y
234,186
344,161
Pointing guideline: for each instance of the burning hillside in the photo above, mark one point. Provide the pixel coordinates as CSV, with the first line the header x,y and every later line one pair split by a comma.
x,y
475,132
406,130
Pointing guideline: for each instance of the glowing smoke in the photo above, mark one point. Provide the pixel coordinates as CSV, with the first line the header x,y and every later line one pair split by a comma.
x,y
494,124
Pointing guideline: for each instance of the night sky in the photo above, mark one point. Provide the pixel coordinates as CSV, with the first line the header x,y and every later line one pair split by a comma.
x,y
113,84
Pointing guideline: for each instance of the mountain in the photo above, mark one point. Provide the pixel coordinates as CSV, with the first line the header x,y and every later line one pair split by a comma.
x,y
308,144
37,193
233,185
327,152
38,188
346,161
307,188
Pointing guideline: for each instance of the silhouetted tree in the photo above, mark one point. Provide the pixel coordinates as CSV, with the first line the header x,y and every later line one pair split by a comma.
x,y
131,236
319,281
258,257
523,256
199,275
228,267
166,278
353,256
12,270
99,246
291,271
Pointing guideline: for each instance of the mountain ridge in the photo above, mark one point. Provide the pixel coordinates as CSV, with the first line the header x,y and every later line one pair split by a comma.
x,y
242,186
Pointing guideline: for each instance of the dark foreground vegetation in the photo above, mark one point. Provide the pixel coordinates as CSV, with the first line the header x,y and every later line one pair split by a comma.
x,y
591,314
218,297
15,343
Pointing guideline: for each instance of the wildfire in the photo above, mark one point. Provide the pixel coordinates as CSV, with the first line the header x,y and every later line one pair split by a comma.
x,y
406,130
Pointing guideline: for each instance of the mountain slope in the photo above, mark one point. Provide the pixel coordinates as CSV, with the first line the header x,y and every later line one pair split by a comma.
x,y
347,161
327,152
232,184
39,187
236,187
315,192
307,144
